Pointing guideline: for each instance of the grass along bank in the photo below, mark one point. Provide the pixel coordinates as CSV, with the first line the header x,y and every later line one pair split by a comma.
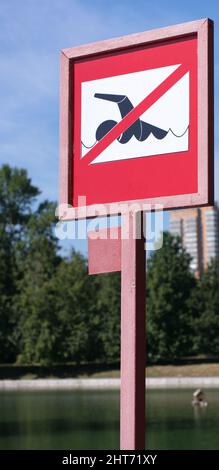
x,y
15,372
190,370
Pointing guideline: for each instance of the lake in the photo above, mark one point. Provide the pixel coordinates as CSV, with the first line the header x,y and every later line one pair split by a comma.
x,y
90,420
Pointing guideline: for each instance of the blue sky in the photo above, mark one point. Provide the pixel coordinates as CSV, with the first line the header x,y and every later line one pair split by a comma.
x,y
31,36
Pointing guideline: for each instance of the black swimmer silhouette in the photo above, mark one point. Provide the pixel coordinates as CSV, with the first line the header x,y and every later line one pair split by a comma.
x,y
140,129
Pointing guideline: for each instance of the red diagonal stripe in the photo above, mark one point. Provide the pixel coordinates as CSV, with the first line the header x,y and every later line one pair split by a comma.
x,y
131,117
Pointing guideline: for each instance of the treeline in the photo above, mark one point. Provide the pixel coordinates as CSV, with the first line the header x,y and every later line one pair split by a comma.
x,y
51,311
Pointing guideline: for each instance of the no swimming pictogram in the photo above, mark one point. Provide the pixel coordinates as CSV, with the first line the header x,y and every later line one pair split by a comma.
x,y
142,138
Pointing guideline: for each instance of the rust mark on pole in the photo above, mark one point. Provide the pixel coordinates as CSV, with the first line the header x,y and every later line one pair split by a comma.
x,y
133,354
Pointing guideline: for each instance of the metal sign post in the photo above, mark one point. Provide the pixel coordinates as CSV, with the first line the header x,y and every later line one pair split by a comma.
x,y
127,254
133,355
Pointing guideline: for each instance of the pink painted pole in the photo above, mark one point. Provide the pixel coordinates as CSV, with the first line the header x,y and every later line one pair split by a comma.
x,y
133,284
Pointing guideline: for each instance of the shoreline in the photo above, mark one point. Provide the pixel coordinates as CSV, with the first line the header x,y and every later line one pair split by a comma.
x,y
108,384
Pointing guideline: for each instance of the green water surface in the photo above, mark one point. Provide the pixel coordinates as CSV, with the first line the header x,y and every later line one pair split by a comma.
x,y
90,420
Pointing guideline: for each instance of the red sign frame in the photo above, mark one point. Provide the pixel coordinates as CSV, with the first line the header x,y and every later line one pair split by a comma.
x,y
75,66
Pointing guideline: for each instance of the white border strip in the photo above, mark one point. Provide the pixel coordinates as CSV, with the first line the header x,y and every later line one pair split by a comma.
x,y
107,384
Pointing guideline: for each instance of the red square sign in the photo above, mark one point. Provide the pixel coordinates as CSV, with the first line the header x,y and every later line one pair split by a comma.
x,y
137,120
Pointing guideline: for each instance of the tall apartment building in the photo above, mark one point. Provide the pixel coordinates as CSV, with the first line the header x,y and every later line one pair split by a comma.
x,y
199,230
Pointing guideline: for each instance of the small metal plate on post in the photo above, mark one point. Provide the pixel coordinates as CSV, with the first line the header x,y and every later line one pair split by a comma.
x,y
104,251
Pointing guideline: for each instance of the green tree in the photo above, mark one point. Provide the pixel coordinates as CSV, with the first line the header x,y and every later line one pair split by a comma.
x,y
109,307
76,309
205,301
73,317
7,288
16,197
169,287
37,327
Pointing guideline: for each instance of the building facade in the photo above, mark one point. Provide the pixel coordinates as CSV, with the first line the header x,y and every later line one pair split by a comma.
x,y
199,231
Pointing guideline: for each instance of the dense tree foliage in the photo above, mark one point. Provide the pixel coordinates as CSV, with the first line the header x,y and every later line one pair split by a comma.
x,y
52,311
34,302
170,284
7,287
17,195
109,307
205,303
